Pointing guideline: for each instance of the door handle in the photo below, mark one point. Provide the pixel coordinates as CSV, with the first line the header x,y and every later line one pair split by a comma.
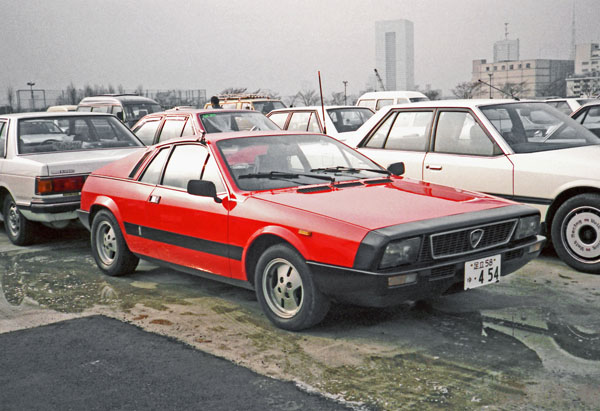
x,y
433,167
154,199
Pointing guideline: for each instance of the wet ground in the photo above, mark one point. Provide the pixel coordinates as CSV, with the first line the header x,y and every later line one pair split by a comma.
x,y
531,341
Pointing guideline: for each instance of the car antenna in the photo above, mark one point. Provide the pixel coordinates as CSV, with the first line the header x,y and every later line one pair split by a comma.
x,y
322,105
500,90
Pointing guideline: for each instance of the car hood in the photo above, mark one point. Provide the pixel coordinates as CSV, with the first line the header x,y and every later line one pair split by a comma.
x,y
77,162
374,206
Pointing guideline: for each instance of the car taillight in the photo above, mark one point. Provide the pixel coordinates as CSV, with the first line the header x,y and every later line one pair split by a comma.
x,y
56,185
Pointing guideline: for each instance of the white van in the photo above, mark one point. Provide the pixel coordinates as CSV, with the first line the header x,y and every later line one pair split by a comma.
x,y
377,99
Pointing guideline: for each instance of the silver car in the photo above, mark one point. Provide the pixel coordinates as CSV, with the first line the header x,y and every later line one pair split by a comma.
x,y
44,161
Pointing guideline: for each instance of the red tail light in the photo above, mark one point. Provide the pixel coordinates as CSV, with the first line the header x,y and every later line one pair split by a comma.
x,y
57,185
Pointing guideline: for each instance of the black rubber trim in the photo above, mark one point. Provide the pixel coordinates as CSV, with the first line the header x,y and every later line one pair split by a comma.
x,y
523,199
180,240
84,218
51,208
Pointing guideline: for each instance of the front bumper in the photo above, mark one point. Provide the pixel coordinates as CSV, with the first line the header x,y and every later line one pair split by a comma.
x,y
372,289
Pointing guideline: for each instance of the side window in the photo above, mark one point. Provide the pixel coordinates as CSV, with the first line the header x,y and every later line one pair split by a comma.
x,y
384,102
146,131
459,133
299,121
410,131
378,138
172,128
101,109
185,164
152,172
564,107
2,138
593,116
116,109
279,119
313,124
188,130
84,108
367,103
211,173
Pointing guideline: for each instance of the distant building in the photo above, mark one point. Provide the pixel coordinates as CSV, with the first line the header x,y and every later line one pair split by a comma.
x,y
586,78
532,78
394,54
506,50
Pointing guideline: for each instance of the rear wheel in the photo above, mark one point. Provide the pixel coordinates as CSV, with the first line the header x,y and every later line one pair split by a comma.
x,y
109,247
286,291
576,232
19,230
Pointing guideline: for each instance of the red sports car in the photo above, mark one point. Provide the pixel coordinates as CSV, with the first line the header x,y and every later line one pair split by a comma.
x,y
303,219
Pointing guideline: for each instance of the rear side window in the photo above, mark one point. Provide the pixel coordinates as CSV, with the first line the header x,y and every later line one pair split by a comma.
x,y
172,128
299,121
185,164
147,131
410,131
2,138
152,173
384,102
279,119
377,139
367,103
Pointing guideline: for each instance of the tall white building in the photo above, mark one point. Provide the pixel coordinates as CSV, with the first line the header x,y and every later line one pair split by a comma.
x,y
394,54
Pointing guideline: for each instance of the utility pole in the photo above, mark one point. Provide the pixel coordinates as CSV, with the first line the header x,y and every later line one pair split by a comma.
x,y
31,84
345,85
491,75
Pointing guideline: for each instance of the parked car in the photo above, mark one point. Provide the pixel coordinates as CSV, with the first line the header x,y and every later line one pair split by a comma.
x,y
44,160
376,100
589,116
569,105
184,121
340,121
64,107
129,108
243,101
302,219
526,151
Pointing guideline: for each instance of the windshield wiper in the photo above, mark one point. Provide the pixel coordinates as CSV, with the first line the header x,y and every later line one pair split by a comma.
x,y
350,170
283,174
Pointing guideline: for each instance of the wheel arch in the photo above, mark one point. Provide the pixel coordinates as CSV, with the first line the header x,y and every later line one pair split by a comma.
x,y
3,193
105,203
560,200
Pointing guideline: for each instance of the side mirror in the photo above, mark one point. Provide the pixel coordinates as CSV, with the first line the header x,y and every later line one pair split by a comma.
x,y
119,115
396,169
203,188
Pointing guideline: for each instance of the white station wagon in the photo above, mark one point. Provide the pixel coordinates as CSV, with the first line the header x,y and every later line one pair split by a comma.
x,y
521,150
44,161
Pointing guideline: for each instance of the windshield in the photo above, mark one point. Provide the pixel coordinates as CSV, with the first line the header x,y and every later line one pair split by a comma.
x,y
266,106
532,127
348,119
271,162
236,121
49,134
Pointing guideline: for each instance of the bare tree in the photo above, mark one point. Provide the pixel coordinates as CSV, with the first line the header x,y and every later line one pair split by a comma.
x,y
337,99
121,89
10,96
139,90
590,88
72,95
515,89
234,90
290,100
308,97
466,89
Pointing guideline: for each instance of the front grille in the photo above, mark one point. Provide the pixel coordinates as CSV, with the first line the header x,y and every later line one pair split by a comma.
x,y
457,242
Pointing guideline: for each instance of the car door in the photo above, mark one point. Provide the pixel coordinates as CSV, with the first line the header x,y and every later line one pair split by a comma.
x,y
403,135
463,155
188,230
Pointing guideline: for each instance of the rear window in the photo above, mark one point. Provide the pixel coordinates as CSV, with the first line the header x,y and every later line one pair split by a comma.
x,y
49,134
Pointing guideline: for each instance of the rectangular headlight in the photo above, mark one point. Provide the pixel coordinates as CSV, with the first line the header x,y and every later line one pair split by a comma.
x,y
527,227
400,252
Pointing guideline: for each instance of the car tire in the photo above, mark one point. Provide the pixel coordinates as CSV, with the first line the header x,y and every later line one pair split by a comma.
x,y
19,230
286,291
576,232
109,248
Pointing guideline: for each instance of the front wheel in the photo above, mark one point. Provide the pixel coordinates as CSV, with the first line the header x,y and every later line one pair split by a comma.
x,y
109,247
19,230
576,232
286,291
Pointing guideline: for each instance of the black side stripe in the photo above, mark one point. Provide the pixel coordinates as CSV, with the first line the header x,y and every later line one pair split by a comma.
x,y
180,240
523,199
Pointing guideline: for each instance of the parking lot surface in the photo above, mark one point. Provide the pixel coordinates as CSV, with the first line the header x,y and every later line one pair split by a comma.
x,y
531,341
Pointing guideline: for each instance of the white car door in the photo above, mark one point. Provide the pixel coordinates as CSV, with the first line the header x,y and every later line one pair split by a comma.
x,y
464,156
401,136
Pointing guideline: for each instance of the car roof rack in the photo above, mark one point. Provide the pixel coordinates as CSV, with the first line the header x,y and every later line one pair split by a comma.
x,y
241,96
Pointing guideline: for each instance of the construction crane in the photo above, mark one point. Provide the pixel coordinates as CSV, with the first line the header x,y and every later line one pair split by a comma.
x,y
379,80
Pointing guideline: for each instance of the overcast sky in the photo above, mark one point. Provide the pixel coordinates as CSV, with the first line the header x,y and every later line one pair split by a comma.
x,y
270,44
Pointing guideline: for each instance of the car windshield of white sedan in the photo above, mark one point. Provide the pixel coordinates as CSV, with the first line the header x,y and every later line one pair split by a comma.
x,y
236,121
271,162
532,127
55,134
348,119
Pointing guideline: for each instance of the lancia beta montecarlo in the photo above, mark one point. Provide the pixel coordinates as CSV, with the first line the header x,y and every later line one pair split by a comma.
x,y
302,219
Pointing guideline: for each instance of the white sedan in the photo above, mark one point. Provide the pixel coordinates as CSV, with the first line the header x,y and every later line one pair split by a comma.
x,y
521,150
44,161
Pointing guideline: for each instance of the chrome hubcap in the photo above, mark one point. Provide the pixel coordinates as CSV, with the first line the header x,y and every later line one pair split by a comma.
x,y
581,229
106,243
14,219
282,287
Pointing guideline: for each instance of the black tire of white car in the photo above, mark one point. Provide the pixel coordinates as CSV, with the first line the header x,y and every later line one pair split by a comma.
x,y
576,232
19,230
109,247
286,291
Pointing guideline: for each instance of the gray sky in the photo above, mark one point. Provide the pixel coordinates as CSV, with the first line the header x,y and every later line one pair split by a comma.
x,y
270,44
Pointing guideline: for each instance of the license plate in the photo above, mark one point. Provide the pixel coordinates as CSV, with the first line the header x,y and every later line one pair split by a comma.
x,y
482,272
